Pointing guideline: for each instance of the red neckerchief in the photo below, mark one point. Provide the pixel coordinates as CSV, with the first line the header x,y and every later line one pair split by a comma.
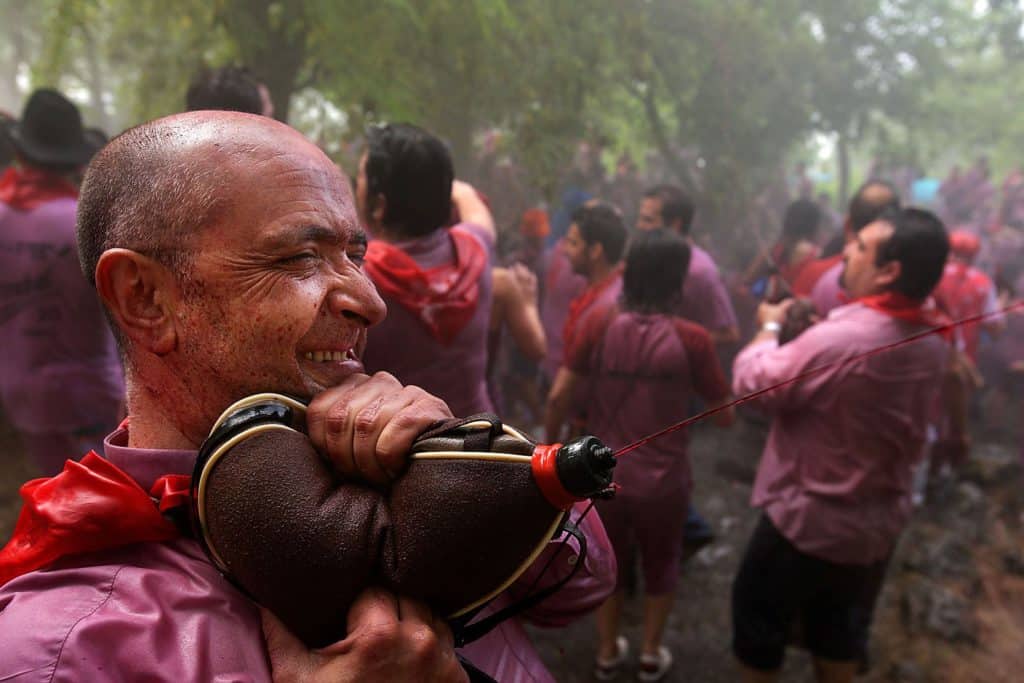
x,y
26,188
91,505
580,304
445,298
922,313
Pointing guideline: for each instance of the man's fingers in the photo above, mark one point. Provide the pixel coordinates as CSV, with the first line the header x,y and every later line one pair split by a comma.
x,y
419,412
374,609
321,406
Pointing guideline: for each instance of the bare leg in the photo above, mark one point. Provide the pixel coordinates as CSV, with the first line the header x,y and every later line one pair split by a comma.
x,y
608,617
656,611
834,671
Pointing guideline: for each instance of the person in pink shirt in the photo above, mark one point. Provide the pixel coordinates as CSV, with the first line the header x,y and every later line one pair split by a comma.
x,y
227,250
435,280
593,246
705,298
834,482
644,364
61,384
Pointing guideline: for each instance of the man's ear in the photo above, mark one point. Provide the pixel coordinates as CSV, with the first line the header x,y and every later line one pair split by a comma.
x,y
888,274
378,208
140,294
595,252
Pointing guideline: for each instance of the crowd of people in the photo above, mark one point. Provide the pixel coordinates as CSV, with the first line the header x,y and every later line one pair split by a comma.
x,y
150,282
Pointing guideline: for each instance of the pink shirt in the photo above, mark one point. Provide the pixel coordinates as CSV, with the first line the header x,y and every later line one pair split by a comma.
x,y
642,371
559,287
827,292
705,298
162,612
60,370
835,476
402,345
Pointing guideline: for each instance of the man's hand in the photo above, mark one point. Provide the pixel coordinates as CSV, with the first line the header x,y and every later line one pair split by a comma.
x,y
366,425
389,639
773,313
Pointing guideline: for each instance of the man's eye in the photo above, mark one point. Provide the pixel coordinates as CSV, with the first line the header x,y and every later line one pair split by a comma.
x,y
303,258
357,257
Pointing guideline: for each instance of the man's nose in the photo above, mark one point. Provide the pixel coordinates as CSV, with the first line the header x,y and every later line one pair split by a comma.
x,y
356,298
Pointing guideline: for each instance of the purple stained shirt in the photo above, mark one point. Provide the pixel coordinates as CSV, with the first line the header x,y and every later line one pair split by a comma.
x,y
401,345
705,297
828,293
642,372
60,370
560,286
835,476
162,612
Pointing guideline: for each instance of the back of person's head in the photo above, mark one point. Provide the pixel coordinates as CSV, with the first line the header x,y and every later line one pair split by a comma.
x,y
801,221
920,244
870,201
656,266
676,205
6,149
413,171
601,223
230,88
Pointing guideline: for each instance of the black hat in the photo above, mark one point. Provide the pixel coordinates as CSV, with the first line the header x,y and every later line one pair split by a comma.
x,y
50,131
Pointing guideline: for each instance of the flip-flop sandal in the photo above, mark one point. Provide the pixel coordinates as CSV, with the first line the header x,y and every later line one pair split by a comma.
x,y
654,667
608,669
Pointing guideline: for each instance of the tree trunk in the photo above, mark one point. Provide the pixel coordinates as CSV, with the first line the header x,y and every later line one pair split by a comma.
x,y
843,159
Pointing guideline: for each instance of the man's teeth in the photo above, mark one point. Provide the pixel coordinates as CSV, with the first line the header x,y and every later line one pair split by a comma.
x,y
329,356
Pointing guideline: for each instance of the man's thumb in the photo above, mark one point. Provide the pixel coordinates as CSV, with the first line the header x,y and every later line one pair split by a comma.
x,y
290,660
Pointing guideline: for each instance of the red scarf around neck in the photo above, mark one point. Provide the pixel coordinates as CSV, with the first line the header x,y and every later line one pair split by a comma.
x,y
26,188
584,301
922,313
89,506
443,299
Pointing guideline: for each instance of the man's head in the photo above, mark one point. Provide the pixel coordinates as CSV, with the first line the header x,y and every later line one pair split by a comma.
x,y
963,246
801,221
595,239
227,252
904,251
229,88
404,184
870,201
656,266
666,206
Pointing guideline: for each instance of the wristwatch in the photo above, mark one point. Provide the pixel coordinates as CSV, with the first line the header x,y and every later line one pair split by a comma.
x,y
771,326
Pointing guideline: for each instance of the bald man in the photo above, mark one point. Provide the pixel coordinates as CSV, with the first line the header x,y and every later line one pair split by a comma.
x,y
226,250
819,280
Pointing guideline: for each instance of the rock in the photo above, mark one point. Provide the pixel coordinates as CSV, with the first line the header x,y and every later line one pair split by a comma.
x,y
944,557
930,608
906,672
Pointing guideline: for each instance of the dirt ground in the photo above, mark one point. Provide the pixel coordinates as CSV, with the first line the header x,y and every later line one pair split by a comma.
x,y
699,628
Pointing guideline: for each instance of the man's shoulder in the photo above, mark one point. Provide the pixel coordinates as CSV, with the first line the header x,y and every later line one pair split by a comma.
x,y
95,610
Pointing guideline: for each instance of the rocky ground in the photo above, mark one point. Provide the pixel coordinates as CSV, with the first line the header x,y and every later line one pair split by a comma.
x,y
952,608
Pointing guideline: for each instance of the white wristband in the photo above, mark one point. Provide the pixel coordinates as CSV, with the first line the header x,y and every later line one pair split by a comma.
x,y
771,326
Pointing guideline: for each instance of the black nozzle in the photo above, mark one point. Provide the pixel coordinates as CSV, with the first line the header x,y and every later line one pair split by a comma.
x,y
585,466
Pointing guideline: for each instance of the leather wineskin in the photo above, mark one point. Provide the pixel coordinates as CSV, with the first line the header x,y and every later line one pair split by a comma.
x,y
304,542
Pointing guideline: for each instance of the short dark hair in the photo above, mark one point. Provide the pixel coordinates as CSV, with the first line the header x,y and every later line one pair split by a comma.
x,y
231,88
801,221
137,195
920,243
601,223
870,201
413,170
675,205
656,266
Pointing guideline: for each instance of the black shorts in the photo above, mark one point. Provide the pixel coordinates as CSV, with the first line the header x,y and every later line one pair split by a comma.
x,y
777,585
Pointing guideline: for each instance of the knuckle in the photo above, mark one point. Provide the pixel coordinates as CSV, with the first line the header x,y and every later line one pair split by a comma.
x,y
336,420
